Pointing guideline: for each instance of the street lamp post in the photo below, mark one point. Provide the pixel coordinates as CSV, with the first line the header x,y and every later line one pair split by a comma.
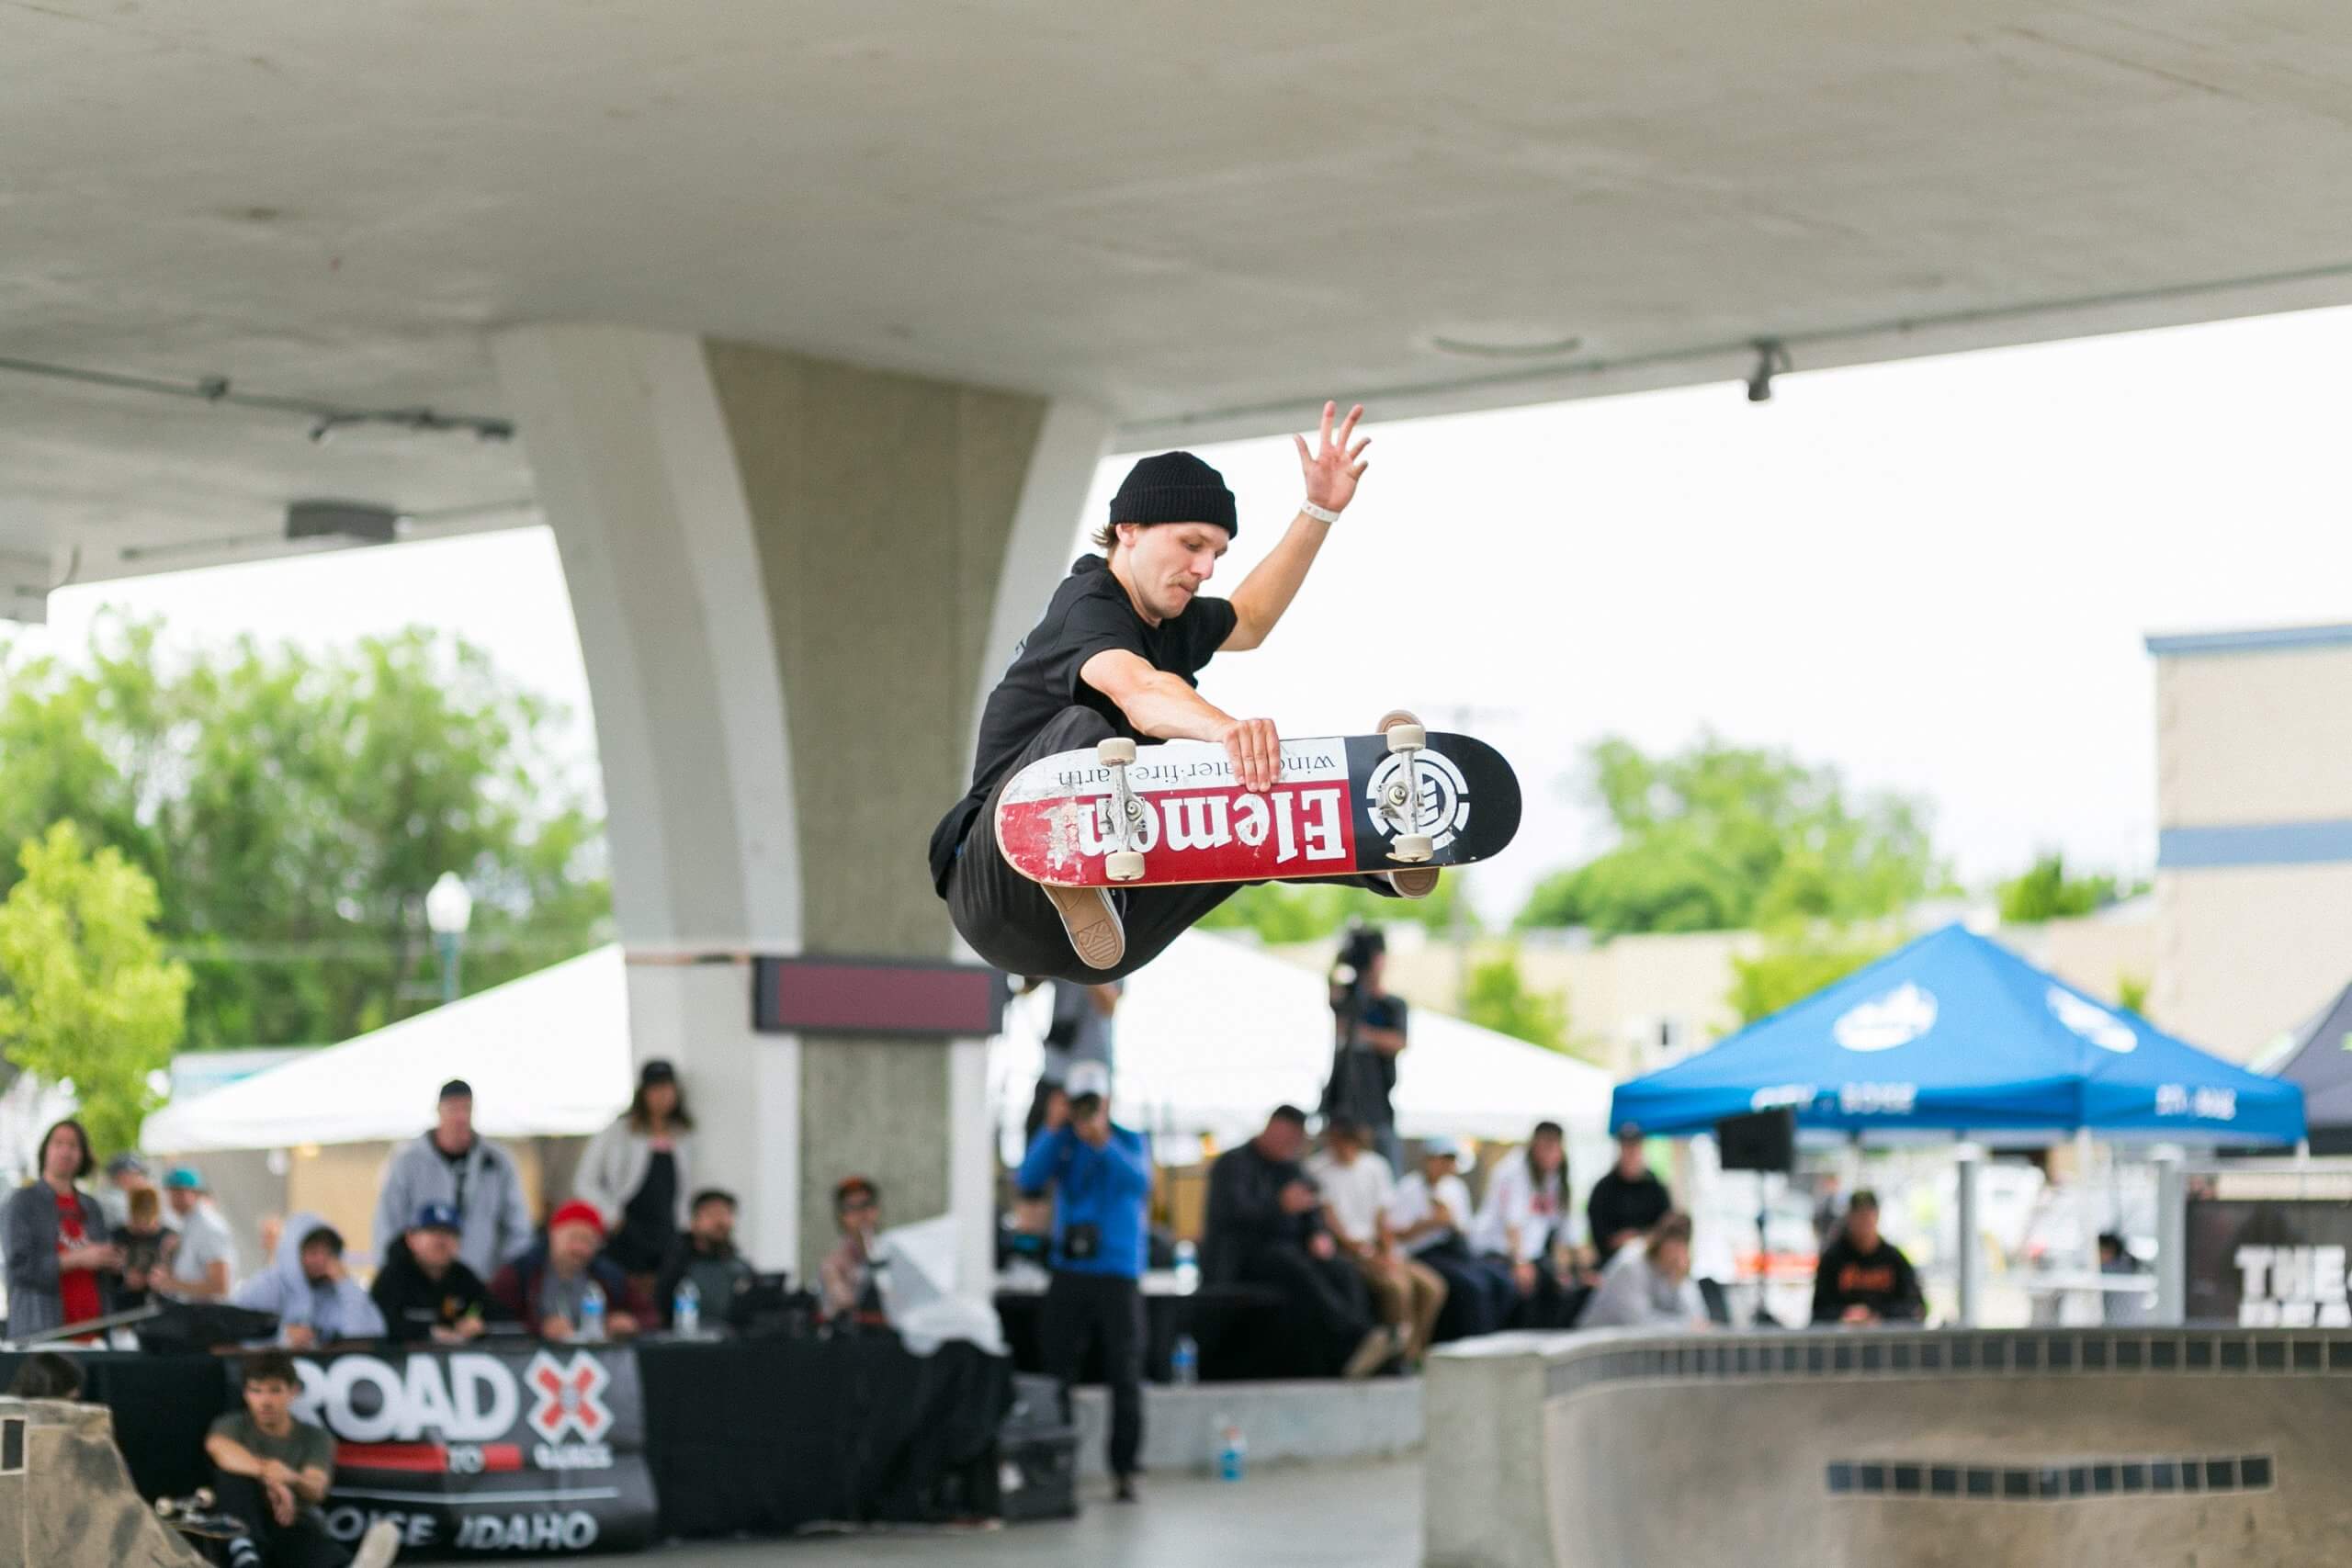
x,y
449,909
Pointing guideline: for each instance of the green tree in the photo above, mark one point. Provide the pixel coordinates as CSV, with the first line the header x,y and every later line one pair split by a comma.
x,y
1717,837
88,997
293,808
2131,993
1280,912
1497,998
1795,963
2044,892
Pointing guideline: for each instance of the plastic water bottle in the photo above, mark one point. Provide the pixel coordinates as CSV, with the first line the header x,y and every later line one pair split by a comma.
x,y
685,1310
1187,1267
1232,1450
1184,1362
592,1312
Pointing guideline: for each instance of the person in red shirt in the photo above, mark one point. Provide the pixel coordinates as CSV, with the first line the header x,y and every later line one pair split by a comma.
x,y
56,1240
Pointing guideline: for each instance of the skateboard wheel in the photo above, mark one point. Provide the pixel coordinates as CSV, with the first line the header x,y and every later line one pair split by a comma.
x,y
1116,753
1122,865
1403,738
1413,847
204,1497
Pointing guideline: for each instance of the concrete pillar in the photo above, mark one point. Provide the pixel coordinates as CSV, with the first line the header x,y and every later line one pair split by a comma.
x,y
789,576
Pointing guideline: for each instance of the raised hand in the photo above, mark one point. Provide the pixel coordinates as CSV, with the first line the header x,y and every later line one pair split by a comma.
x,y
1332,468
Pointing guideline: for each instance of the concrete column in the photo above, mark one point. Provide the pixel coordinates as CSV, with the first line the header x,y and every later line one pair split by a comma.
x,y
788,575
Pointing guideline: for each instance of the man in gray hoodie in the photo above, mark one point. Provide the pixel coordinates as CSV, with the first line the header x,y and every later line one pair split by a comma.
x,y
316,1303
451,1164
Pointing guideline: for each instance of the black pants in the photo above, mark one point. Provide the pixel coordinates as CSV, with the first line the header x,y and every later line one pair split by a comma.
x,y
302,1544
1010,922
1079,1307
1329,1306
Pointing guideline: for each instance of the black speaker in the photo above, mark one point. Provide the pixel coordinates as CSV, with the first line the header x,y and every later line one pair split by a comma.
x,y
1762,1140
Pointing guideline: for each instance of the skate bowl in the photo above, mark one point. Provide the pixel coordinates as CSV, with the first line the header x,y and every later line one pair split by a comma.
x,y
66,1500
2143,1448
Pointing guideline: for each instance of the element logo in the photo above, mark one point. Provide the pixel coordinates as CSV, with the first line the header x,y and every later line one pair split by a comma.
x,y
570,1396
1444,807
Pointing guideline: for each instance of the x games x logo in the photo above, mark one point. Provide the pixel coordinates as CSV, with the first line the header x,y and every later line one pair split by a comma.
x,y
570,1396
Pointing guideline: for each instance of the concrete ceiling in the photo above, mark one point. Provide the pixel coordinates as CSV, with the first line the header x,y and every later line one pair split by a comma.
x,y
1207,215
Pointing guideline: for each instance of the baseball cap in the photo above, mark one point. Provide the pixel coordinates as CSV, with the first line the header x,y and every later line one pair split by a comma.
x,y
1086,1077
436,1217
457,1088
123,1163
1441,1147
183,1178
656,1070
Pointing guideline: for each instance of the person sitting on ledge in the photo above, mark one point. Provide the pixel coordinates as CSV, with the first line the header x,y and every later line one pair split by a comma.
x,y
1648,1283
1861,1278
548,1286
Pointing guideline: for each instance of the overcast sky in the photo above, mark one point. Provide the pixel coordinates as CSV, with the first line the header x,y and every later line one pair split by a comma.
x,y
1935,575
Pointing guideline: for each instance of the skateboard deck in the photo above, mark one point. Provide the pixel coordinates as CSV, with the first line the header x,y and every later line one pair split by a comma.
x,y
1336,811
198,1517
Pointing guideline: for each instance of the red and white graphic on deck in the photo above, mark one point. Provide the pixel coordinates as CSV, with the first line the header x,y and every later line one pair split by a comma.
x,y
1197,823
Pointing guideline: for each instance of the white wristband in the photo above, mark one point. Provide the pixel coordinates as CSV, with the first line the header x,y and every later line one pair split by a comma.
x,y
1320,513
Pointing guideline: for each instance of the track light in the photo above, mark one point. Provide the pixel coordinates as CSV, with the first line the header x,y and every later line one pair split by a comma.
x,y
1771,360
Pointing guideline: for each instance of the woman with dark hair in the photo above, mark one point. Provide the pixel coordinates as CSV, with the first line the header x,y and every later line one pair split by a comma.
x,y
45,1375
55,1237
1524,1223
638,1172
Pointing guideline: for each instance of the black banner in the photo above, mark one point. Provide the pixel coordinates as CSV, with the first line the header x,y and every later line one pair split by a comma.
x,y
488,1450
2271,1250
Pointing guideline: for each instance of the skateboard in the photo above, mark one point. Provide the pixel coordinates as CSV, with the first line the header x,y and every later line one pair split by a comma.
x,y
1129,816
198,1515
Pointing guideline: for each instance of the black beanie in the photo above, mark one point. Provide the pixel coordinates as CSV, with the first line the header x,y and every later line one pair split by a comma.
x,y
1175,486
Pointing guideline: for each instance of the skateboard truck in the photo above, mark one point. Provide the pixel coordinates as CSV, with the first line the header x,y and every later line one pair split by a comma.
x,y
1126,862
1400,801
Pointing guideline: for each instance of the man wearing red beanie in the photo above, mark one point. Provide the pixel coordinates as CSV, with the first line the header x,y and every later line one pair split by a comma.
x,y
548,1284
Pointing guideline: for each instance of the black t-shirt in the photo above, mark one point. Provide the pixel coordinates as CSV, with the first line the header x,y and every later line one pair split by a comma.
x,y
649,1221
1617,1204
414,1304
1364,1076
1882,1279
1089,613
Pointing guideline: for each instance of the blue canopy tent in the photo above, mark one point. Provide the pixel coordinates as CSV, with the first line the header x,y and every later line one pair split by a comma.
x,y
1956,1033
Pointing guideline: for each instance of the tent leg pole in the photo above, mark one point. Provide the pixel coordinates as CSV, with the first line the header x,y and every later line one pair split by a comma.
x,y
1969,1156
2172,1238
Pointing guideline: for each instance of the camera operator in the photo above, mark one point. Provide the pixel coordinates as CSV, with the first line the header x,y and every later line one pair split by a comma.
x,y
1100,1175
1368,1033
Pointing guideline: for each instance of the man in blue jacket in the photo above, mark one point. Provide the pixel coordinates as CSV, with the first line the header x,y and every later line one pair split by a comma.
x,y
1100,1175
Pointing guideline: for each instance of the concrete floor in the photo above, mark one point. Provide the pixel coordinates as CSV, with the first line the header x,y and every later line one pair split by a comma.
x,y
1366,1516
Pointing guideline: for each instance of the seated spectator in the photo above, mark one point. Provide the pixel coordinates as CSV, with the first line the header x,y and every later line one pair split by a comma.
x,y
45,1375
1861,1278
1627,1201
56,1239
707,1255
316,1301
200,1262
141,1241
451,1164
272,1471
1356,1186
637,1172
548,1286
1430,1215
1265,1227
1648,1285
1524,1226
847,1273
424,1289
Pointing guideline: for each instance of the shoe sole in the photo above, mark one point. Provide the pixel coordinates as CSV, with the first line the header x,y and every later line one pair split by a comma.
x,y
1421,881
1092,922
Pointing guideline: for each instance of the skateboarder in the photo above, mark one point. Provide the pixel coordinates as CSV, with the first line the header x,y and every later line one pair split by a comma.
x,y
1117,654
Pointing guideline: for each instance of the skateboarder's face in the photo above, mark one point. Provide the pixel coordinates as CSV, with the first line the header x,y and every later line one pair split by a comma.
x,y
1168,563
266,1402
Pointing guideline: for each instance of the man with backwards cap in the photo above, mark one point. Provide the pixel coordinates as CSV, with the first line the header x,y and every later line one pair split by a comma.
x,y
1117,654
204,1259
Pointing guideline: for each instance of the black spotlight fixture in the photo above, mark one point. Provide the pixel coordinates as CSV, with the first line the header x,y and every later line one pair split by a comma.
x,y
1771,360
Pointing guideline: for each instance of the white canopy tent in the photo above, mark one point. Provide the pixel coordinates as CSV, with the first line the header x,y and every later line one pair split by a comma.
x,y
548,1056
1215,1033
